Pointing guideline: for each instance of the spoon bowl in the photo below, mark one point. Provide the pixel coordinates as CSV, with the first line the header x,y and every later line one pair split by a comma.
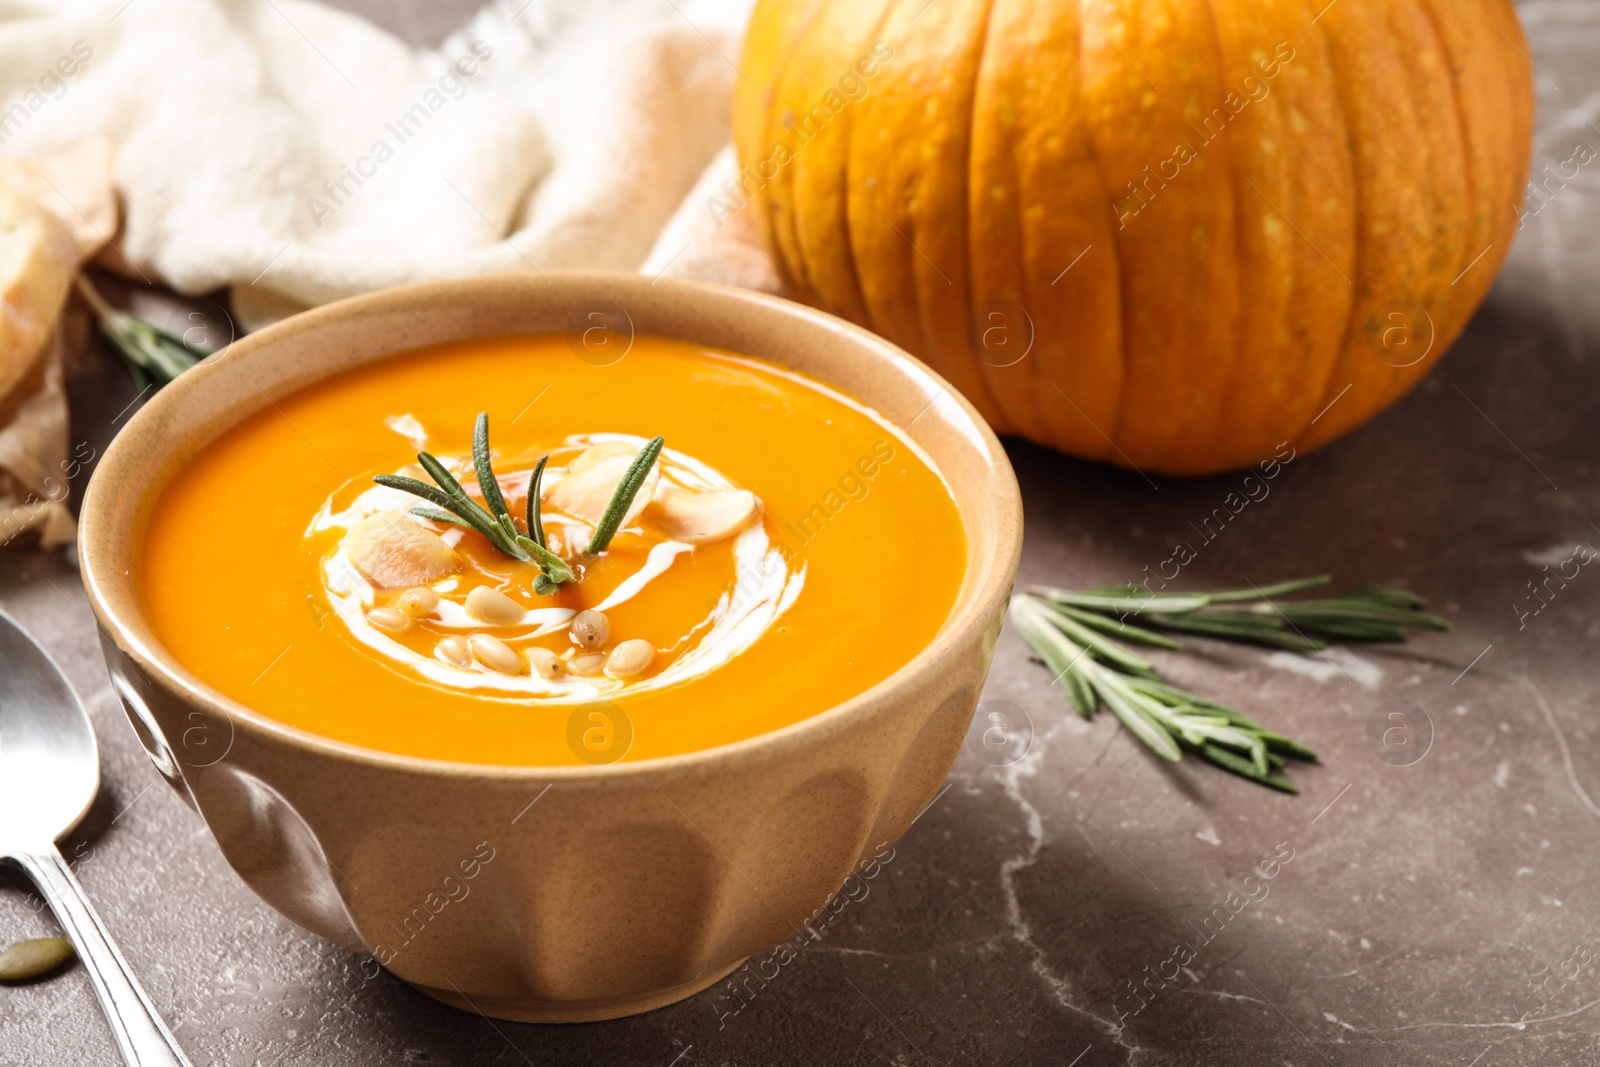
x,y
49,765
49,774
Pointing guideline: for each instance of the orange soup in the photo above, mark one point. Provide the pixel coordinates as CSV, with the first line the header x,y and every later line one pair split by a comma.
x,y
496,552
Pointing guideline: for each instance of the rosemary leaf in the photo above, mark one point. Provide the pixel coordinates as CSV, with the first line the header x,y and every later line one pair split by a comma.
x,y
553,565
487,485
1120,604
535,520
146,350
1231,761
1396,598
439,515
1125,705
461,503
452,498
1082,694
430,493
1238,626
1266,592
1103,648
1116,628
622,498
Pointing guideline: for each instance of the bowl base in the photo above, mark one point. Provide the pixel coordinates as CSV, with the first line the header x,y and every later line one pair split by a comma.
x,y
575,1011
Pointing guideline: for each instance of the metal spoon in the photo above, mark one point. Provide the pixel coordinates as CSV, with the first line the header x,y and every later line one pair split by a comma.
x,y
49,773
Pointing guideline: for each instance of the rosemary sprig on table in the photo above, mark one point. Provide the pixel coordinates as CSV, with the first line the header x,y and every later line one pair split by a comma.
x,y
149,352
493,519
1073,634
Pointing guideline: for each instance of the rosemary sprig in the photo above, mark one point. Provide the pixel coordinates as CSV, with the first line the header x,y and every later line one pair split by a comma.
x,y
1256,614
149,352
1073,634
493,518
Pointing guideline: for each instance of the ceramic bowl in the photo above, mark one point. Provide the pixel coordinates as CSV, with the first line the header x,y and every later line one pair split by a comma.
x,y
554,893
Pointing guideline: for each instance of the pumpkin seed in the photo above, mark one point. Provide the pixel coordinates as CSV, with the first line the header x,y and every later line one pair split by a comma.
x,y
630,658
392,620
588,665
545,662
495,654
493,606
590,628
418,601
30,959
454,651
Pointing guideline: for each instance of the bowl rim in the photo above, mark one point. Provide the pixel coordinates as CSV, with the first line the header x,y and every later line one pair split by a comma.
x,y
129,631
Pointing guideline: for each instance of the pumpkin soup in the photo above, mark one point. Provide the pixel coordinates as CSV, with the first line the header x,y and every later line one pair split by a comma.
x,y
495,552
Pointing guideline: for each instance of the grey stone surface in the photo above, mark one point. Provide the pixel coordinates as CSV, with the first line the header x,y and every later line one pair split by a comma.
x,y
1421,903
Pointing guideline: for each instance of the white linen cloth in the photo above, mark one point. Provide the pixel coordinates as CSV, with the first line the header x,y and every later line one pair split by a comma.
x,y
299,154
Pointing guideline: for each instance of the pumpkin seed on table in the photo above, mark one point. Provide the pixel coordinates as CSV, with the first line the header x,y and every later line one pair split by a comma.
x,y
30,959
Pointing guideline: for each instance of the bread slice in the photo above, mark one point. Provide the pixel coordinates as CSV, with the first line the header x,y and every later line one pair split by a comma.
x,y
38,257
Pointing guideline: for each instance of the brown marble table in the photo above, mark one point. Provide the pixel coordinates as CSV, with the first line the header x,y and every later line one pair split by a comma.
x,y
1442,912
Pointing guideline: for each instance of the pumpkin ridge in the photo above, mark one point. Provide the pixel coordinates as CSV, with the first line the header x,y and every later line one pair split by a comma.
x,y
1117,261
1114,434
1215,439
1443,303
982,377
843,127
793,274
1400,385
1358,193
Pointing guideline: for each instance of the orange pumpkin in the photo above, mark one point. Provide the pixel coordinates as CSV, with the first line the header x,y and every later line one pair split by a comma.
x,y
1169,234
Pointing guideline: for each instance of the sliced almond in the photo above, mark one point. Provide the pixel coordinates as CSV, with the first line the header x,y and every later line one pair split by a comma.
x,y
702,517
393,552
587,487
604,450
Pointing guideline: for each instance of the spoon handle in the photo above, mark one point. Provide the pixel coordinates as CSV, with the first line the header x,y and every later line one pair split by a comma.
x,y
143,1038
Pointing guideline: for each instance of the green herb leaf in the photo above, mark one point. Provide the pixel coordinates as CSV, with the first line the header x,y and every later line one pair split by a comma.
x,y
440,515
1116,628
553,565
622,498
535,519
147,351
1077,635
487,485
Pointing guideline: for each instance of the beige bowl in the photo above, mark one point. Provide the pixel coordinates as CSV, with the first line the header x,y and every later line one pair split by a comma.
x,y
554,894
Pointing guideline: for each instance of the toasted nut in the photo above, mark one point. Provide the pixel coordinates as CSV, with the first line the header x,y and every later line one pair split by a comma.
x,y
493,606
454,651
630,658
30,959
545,663
495,654
391,619
702,517
590,629
418,601
588,665
587,487
394,552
